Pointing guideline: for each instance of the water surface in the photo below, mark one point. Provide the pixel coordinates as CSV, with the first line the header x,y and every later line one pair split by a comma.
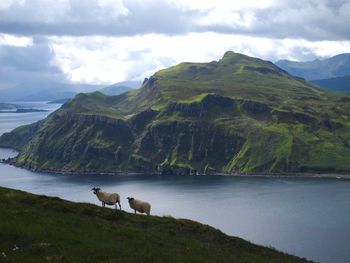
x,y
305,217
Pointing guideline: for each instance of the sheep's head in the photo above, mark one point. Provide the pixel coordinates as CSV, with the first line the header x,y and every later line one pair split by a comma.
x,y
130,198
96,190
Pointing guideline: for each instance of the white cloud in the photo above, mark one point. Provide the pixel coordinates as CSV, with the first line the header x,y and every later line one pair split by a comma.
x,y
112,59
222,4
11,40
106,41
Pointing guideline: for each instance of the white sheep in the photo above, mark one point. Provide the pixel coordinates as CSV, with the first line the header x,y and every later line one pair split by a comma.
x,y
139,205
107,198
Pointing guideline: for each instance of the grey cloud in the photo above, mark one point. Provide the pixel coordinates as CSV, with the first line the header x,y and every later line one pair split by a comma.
x,y
28,71
310,19
82,19
34,58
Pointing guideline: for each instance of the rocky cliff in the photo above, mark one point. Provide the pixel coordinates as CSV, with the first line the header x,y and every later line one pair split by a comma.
x,y
239,114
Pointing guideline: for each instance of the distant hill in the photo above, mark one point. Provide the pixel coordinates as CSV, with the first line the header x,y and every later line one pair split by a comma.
x,y
111,90
237,115
340,84
59,101
8,106
59,92
120,87
337,66
44,91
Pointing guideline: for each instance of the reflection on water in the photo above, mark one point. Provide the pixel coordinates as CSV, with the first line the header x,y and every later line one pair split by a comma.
x,y
305,217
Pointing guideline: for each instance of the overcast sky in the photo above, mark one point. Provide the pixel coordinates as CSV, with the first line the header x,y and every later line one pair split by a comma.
x,y
107,41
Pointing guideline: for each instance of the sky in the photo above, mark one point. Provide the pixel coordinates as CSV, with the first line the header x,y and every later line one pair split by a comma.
x,y
108,41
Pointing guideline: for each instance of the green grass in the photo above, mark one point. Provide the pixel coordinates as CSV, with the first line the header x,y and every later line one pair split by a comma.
x,y
48,229
239,114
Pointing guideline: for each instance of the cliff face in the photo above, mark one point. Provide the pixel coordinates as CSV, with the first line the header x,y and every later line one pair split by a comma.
x,y
237,115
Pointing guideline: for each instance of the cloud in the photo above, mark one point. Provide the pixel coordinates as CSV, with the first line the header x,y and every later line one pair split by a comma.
x,y
309,19
312,20
107,41
9,40
94,17
30,66
99,59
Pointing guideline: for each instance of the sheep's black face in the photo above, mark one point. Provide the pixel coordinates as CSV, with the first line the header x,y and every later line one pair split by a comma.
x,y
130,198
95,189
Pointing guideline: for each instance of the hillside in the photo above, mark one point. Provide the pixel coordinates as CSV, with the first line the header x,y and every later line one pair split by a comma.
x,y
48,229
337,66
8,106
340,84
120,87
238,114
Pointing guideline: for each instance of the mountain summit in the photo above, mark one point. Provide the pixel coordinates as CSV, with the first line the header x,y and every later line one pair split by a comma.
x,y
238,114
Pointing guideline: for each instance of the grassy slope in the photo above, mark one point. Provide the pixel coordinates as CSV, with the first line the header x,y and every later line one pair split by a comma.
x,y
235,75
239,114
47,229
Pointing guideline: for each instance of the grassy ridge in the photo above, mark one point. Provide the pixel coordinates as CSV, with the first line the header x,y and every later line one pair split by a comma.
x,y
46,229
238,114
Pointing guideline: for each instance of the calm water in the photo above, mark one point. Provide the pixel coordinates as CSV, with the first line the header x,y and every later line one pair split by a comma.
x,y
9,121
305,217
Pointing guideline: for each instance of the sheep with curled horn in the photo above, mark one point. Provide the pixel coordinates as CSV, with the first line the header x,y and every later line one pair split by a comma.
x,y
107,198
139,205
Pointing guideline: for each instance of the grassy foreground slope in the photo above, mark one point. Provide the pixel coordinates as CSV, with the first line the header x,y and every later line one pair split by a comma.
x,y
238,114
47,229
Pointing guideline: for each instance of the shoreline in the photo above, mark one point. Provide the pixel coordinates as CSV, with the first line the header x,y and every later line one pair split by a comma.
x,y
235,174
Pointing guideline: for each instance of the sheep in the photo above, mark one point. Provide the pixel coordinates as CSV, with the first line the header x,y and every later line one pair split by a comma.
x,y
107,198
139,205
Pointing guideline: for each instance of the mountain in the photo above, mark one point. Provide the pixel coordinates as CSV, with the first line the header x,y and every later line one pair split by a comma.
x,y
59,101
340,84
44,91
120,87
236,115
337,66
49,229
8,106
111,90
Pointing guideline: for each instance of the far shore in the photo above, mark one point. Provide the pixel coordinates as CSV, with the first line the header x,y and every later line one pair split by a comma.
x,y
236,174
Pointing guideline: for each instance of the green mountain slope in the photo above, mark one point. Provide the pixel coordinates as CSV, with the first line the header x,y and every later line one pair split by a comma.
x,y
48,229
340,84
240,114
337,66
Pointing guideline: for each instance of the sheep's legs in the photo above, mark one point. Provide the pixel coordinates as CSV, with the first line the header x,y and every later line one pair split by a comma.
x,y
135,211
103,204
116,207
